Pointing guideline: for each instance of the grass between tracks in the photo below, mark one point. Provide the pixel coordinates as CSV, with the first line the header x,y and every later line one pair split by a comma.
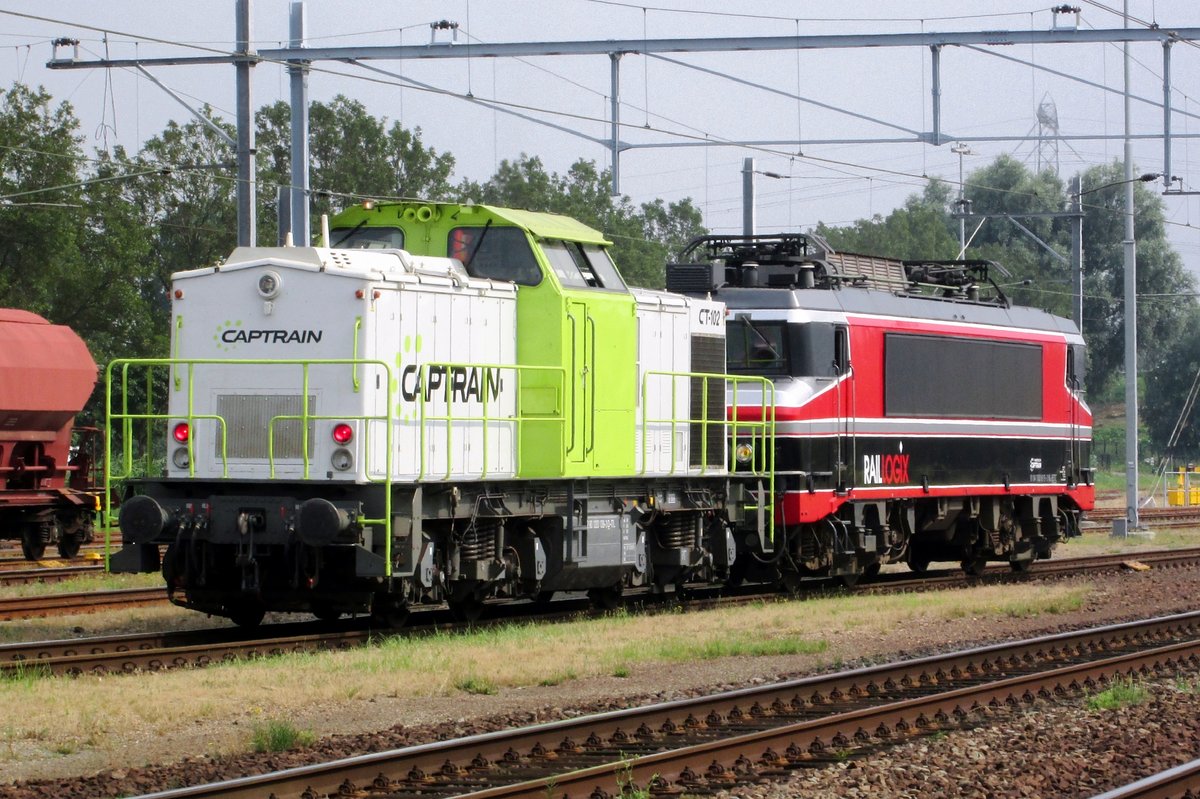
x,y
98,581
61,715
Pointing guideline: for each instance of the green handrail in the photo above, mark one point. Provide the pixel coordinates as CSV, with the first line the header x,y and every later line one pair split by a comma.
x,y
126,421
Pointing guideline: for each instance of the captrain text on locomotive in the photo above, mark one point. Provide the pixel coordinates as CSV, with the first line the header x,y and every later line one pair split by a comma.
x,y
466,403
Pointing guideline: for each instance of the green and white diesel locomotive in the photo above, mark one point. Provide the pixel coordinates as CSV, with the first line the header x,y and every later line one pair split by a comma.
x,y
446,402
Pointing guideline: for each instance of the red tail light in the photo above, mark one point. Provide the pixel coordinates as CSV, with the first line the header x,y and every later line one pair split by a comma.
x,y
342,433
181,432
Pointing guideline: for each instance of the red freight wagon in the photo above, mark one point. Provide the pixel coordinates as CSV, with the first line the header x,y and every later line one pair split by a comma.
x,y
47,488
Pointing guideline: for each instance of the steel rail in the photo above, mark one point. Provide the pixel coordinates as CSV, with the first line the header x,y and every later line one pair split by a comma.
x,y
985,674
1170,784
841,732
46,574
85,602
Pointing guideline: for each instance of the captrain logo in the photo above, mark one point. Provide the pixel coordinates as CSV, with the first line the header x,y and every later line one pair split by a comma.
x,y
229,334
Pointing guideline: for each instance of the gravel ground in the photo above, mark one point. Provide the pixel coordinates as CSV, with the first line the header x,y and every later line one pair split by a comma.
x,y
1063,749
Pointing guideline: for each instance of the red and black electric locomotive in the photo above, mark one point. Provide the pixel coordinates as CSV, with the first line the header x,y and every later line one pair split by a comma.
x,y
919,415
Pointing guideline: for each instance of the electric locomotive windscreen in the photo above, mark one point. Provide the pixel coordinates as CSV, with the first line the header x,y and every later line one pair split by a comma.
x,y
778,348
362,237
495,252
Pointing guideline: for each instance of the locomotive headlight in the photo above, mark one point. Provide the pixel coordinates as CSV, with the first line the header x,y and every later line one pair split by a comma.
x,y
341,459
269,284
180,458
743,452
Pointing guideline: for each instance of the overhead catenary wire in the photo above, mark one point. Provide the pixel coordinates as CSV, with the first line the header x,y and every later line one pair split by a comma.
x,y
708,138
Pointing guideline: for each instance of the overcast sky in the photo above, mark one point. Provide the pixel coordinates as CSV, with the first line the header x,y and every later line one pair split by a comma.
x,y
990,92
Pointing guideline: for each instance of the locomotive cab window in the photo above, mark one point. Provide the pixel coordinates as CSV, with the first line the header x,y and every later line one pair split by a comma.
x,y
497,253
756,348
603,267
579,265
362,237
815,348
1076,366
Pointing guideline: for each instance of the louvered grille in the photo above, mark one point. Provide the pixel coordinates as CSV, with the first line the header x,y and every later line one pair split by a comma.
x,y
248,417
708,355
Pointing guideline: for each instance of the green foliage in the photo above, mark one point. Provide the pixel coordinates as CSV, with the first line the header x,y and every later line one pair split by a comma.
x,y
39,152
474,684
25,675
279,736
1161,319
350,152
1168,384
644,238
920,229
1036,250
1121,693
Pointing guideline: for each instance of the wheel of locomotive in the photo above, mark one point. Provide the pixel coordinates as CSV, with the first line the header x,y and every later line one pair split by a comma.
x,y
872,569
387,613
1021,566
918,563
543,597
974,565
467,608
33,546
849,580
247,614
325,612
68,545
605,598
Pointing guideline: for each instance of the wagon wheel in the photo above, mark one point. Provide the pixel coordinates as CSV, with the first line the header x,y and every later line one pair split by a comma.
x,y
68,545
33,546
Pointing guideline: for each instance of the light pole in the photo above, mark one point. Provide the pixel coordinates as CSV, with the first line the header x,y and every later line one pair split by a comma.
x,y
961,149
1131,404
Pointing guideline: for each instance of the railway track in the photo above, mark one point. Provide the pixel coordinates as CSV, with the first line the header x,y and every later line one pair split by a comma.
x,y
86,602
1175,782
47,574
158,651
1157,517
719,742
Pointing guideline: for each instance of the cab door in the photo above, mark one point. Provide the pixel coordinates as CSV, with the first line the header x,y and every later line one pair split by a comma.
x,y
581,372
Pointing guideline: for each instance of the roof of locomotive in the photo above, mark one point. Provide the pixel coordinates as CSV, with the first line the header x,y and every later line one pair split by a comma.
x,y
377,265
541,224
785,271
879,302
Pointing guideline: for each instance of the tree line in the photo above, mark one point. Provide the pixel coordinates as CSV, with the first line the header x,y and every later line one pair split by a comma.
x,y
97,251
